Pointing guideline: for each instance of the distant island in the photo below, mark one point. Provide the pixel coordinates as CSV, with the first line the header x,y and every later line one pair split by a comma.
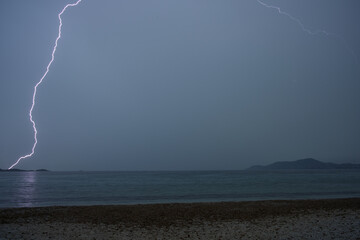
x,y
307,163
21,170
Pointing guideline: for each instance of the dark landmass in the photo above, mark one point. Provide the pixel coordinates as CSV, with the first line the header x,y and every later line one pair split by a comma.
x,y
42,170
307,163
21,170
12,170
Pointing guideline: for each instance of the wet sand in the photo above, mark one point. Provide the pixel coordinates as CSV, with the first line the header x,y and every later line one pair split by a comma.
x,y
296,219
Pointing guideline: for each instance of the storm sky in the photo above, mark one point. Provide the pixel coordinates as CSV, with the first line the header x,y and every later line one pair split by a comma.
x,y
179,85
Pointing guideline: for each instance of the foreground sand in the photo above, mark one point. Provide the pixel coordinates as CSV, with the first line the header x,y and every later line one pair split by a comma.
x,y
306,219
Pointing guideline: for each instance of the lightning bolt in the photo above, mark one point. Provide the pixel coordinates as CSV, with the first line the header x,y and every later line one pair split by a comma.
x,y
312,32
278,9
40,81
296,20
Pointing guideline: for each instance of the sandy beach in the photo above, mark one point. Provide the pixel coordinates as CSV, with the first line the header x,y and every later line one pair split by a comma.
x,y
296,219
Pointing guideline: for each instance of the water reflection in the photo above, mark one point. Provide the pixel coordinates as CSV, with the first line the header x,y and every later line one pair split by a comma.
x,y
25,189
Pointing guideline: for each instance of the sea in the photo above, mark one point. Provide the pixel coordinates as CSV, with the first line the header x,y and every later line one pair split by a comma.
x,y
35,189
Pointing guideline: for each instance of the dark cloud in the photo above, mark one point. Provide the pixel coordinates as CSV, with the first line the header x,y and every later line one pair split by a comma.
x,y
165,84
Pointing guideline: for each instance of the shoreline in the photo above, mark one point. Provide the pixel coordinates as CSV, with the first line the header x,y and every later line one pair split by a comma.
x,y
227,220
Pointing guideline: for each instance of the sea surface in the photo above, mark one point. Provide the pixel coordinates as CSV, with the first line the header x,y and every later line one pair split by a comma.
x,y
32,189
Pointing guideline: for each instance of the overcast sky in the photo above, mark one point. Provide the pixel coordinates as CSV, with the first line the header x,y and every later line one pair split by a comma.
x,y
179,85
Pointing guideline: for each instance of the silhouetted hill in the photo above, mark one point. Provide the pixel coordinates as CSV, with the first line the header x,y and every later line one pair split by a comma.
x,y
12,170
307,163
21,170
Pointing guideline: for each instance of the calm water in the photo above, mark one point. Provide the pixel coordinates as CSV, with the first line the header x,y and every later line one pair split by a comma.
x,y
28,189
